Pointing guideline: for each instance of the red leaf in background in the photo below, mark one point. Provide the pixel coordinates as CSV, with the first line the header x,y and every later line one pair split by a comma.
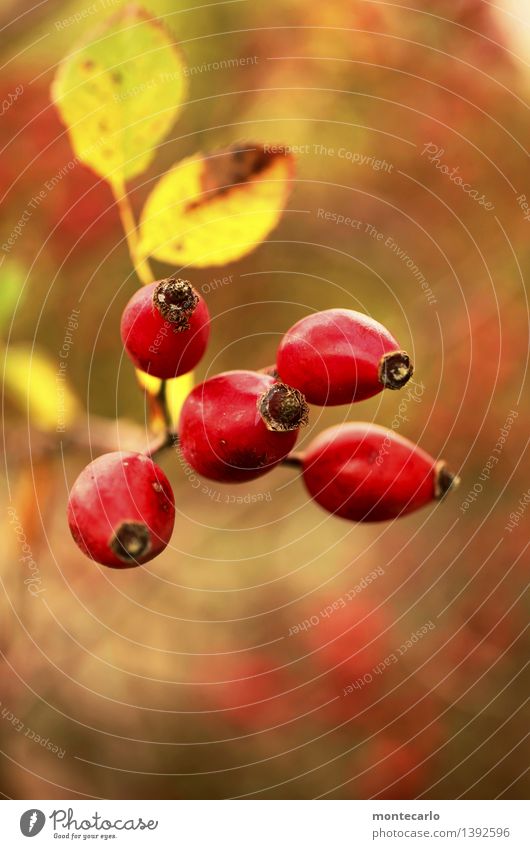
x,y
37,158
394,770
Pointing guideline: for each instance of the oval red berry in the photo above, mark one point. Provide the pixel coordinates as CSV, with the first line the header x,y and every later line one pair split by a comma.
x,y
338,356
366,473
224,436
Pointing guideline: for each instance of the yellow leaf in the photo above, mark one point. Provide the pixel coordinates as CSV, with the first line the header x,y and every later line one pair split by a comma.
x,y
176,391
38,386
12,279
119,93
148,382
211,210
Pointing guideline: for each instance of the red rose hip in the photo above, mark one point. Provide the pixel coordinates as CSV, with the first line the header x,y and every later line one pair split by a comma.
x,y
239,425
338,356
165,328
367,473
121,510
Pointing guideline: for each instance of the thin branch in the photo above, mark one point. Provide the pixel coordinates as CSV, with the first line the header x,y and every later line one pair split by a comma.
x,y
101,436
141,266
161,397
171,440
162,443
296,460
144,272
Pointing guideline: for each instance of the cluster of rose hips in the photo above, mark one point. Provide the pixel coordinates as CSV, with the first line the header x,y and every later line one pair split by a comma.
x,y
239,425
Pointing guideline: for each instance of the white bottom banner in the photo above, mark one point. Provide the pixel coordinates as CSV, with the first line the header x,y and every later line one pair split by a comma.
x,y
262,824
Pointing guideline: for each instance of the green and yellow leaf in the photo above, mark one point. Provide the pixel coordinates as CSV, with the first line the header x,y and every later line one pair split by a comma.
x,y
38,387
211,210
12,278
119,93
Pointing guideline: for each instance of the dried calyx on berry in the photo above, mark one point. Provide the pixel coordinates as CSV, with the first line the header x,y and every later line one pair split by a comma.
x,y
444,479
395,369
175,299
131,541
283,408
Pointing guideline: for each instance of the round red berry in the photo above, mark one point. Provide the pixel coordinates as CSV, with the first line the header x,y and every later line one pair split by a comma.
x,y
239,425
364,472
338,356
165,328
121,510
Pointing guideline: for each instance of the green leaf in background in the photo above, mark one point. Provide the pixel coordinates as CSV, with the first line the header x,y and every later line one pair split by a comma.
x,y
36,385
212,210
119,93
12,278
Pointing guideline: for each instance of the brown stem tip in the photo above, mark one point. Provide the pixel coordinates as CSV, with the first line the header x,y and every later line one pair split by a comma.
x,y
175,300
294,460
270,370
283,408
444,480
395,369
131,541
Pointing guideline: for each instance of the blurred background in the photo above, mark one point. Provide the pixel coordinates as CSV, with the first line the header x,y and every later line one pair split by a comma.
x,y
191,676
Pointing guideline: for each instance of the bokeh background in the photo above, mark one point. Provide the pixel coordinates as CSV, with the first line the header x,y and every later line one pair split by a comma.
x,y
185,678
